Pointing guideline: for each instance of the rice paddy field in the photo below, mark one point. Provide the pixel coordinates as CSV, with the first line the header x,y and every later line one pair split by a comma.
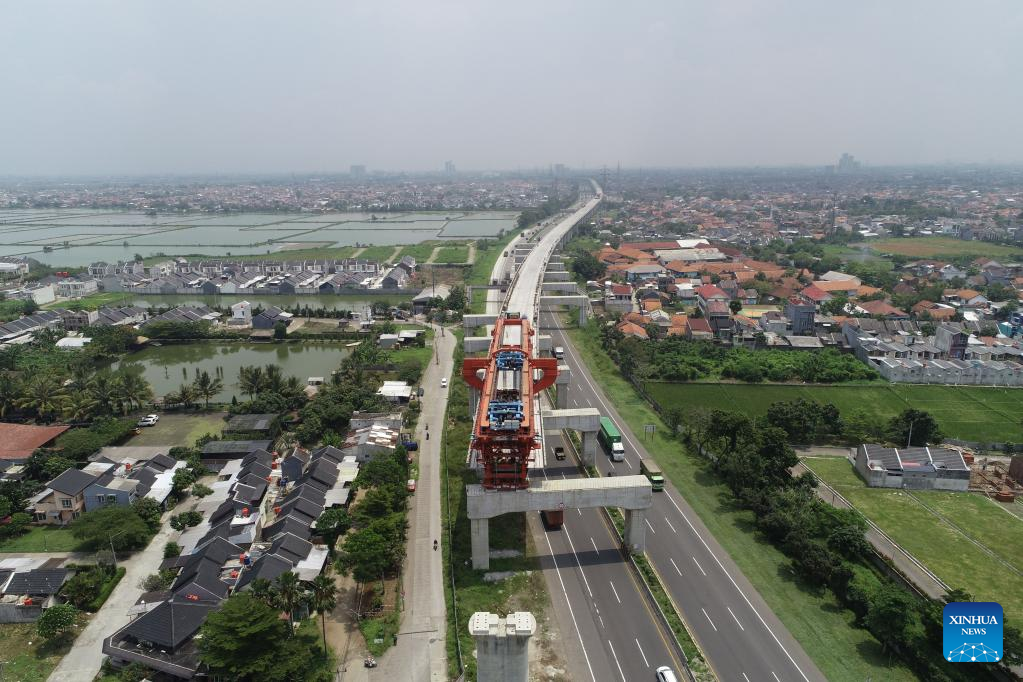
x,y
985,414
78,237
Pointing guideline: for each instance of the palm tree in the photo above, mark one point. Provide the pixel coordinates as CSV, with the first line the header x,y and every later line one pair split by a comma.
x,y
263,590
10,392
104,389
324,598
292,387
251,380
274,378
207,387
134,389
79,407
289,596
44,394
187,395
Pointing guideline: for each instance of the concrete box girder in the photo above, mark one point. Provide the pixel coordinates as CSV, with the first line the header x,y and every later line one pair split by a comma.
x,y
580,301
570,287
555,276
470,322
476,344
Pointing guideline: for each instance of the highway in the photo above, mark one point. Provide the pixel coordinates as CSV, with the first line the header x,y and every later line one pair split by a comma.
x,y
741,637
608,613
589,580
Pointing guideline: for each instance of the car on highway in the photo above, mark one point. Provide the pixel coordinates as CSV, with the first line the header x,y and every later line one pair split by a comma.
x,y
444,382
148,420
666,674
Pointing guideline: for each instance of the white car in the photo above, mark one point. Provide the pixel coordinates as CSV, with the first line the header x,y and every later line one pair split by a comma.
x,y
443,383
148,420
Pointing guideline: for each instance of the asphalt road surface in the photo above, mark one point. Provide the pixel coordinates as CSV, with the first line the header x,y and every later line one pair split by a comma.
x,y
741,637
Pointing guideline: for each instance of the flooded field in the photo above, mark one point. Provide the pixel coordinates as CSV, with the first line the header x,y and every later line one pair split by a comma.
x,y
167,367
79,237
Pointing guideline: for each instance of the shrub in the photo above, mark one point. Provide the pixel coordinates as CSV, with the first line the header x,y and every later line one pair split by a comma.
x,y
56,621
200,490
185,520
78,444
171,550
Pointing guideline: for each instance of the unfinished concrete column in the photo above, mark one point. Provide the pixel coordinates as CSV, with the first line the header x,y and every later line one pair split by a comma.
x,y
562,384
502,645
562,396
479,530
583,316
635,529
589,452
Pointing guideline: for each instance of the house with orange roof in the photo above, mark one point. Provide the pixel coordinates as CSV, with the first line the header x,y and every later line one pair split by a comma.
x,y
835,287
814,294
698,329
651,304
865,290
933,310
618,298
881,309
632,329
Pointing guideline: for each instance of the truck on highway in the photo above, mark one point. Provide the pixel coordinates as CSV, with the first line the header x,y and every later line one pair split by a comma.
x,y
653,473
553,518
559,352
611,439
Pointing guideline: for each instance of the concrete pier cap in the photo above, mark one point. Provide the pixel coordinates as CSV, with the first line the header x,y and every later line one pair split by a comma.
x,y
502,645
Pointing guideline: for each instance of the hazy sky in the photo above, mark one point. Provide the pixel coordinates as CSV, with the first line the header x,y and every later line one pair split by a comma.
x,y
175,86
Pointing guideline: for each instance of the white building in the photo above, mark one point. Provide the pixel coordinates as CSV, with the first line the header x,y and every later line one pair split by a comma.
x,y
76,288
241,313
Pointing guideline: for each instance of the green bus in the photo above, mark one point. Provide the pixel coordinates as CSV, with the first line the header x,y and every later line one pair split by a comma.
x,y
653,472
611,438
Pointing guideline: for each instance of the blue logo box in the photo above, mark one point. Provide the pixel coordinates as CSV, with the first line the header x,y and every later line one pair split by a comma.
x,y
972,632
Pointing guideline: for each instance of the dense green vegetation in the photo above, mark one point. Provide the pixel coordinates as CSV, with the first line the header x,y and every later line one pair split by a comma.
x,y
246,639
679,359
976,413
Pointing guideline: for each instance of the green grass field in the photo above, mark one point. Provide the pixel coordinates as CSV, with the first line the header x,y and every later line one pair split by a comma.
x,y
453,254
42,539
27,657
965,538
970,413
948,247
825,629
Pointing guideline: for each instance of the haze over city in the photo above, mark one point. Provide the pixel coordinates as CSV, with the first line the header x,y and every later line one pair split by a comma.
x,y
188,87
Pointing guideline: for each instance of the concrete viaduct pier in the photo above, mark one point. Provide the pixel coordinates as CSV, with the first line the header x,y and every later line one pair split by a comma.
x,y
631,493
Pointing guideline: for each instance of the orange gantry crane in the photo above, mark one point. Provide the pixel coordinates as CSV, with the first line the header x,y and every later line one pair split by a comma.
x,y
505,432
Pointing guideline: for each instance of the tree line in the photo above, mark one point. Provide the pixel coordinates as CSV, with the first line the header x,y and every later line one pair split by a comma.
x,y
826,546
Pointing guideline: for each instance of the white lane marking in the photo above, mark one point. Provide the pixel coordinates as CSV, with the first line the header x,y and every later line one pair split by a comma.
x,y
744,677
601,618
571,612
615,591
775,676
738,589
579,511
577,563
594,546
650,527
700,567
709,620
616,660
642,654
626,459
735,619
670,526
583,372
675,565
